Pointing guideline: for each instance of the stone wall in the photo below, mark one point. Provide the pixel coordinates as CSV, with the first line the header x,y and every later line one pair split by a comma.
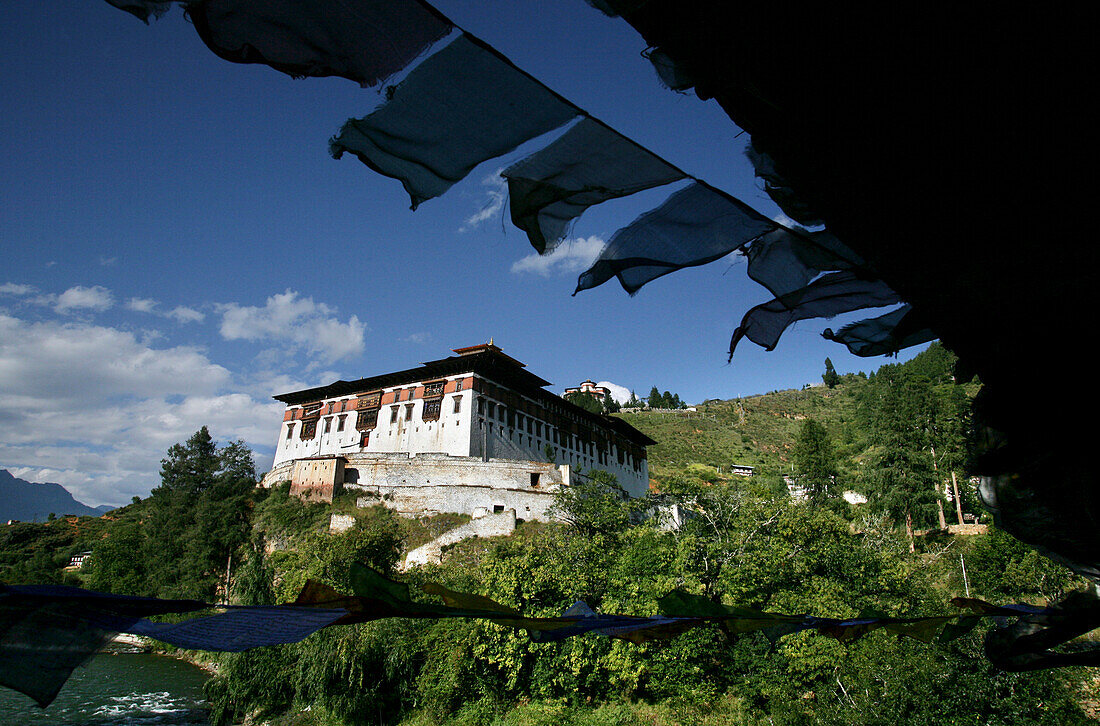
x,y
487,525
340,523
317,479
279,473
428,484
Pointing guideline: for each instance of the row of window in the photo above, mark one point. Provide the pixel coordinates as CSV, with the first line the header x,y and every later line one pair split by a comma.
x,y
584,454
571,445
582,442
430,412
373,399
309,428
431,390
368,418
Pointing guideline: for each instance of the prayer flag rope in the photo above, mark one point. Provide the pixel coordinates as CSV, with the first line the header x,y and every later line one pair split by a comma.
x,y
47,631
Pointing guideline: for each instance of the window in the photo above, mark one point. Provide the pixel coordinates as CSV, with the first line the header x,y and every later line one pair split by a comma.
x,y
458,385
340,423
534,479
289,430
328,424
309,429
431,409
433,389
408,412
458,404
366,419
393,414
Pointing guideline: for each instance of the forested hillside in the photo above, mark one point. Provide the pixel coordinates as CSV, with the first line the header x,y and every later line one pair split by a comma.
x,y
761,430
896,435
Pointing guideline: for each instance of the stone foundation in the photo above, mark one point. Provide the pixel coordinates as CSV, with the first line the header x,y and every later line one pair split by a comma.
x,y
429,484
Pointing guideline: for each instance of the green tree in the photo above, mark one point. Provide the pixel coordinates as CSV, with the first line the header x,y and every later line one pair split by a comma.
x,y
586,401
116,564
255,581
901,472
719,521
595,504
189,467
830,376
815,461
999,566
654,400
194,521
950,435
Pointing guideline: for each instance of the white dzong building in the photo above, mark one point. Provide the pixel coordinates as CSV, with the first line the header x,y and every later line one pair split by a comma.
x,y
474,431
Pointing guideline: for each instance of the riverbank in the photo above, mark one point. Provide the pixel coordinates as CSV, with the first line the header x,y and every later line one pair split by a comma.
x,y
124,643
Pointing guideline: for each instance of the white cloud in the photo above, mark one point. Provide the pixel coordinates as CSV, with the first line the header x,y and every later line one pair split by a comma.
x,y
15,289
95,298
64,362
620,393
495,193
295,322
94,408
182,314
573,255
417,338
141,304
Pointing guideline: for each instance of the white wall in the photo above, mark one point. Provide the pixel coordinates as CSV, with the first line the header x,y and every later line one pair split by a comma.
x,y
450,434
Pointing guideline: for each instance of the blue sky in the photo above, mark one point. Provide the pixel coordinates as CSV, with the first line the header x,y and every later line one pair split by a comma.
x,y
178,246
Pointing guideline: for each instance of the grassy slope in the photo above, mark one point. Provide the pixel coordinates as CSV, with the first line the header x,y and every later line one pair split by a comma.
x,y
759,431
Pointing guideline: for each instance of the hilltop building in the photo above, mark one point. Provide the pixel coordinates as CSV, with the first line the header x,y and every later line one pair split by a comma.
x,y
472,433
601,393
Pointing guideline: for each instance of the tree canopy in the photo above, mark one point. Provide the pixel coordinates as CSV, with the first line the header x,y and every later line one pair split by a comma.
x,y
830,377
815,461
190,526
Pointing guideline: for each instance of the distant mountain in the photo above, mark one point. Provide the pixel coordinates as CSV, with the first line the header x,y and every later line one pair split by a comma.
x,y
28,501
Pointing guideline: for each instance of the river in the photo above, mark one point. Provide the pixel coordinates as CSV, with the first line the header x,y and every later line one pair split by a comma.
x,y
124,689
